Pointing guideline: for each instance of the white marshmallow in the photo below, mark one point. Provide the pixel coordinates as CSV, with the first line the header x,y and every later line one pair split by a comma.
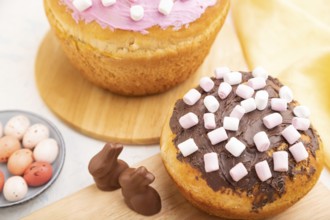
x,y
206,83
260,72
272,120
237,112
263,170
249,105
301,124
261,99
301,111
191,97
188,147
165,6
279,105
257,83
211,162
281,161
286,93
219,72
211,103
231,123
261,141
188,120
82,5
137,12
238,172
233,78
298,152
224,90
235,147
244,91
209,121
291,134
218,135
107,3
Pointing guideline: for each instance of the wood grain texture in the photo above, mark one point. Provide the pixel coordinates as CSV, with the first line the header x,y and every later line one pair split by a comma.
x,y
109,117
91,203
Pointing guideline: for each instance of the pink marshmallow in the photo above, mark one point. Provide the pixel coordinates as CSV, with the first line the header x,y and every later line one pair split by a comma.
x,y
244,91
211,162
230,123
281,161
211,103
238,172
261,141
235,147
233,78
219,72
191,97
188,120
237,112
249,105
291,134
279,105
301,124
209,121
299,152
218,135
263,170
206,83
261,99
272,120
257,83
188,147
224,90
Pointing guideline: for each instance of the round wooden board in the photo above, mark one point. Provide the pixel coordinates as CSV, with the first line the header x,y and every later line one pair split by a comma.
x,y
109,117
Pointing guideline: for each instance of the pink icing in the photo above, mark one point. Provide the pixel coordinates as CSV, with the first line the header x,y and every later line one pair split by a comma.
x,y
117,16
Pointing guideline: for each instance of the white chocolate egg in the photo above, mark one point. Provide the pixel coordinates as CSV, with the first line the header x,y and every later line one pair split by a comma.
x,y
17,126
15,188
34,135
1,129
46,151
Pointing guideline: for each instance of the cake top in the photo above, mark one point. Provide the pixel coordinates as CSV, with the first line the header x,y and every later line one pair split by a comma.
x,y
138,15
244,131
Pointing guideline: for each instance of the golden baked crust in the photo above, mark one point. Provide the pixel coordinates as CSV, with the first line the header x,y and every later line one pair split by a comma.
x,y
131,63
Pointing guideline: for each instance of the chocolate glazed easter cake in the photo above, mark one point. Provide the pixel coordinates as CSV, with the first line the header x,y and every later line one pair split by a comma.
x,y
240,147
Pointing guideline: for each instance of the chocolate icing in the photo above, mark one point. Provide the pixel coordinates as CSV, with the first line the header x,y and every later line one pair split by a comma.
x,y
250,124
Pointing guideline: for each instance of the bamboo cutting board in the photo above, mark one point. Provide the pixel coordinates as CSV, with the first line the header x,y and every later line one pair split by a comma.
x,y
91,203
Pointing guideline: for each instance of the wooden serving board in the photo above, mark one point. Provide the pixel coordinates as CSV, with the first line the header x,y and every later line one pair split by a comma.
x,y
103,115
91,203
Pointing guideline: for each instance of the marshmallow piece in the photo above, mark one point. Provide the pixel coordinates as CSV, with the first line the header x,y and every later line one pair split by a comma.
x,y
188,147
260,72
261,99
279,105
211,103
261,141
249,105
231,123
137,12
209,121
298,152
257,83
219,72
211,162
218,135
206,83
272,120
235,147
301,124
224,90
107,3
237,112
188,120
301,111
165,6
82,5
233,78
263,170
286,93
291,134
281,161
244,91
238,172
191,97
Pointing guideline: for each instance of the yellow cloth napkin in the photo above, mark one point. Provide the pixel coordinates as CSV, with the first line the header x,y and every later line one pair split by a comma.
x,y
291,39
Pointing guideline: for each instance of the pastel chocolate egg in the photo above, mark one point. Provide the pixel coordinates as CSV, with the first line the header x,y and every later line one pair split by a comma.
x,y
17,126
34,135
15,188
2,180
19,161
38,173
8,145
46,151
